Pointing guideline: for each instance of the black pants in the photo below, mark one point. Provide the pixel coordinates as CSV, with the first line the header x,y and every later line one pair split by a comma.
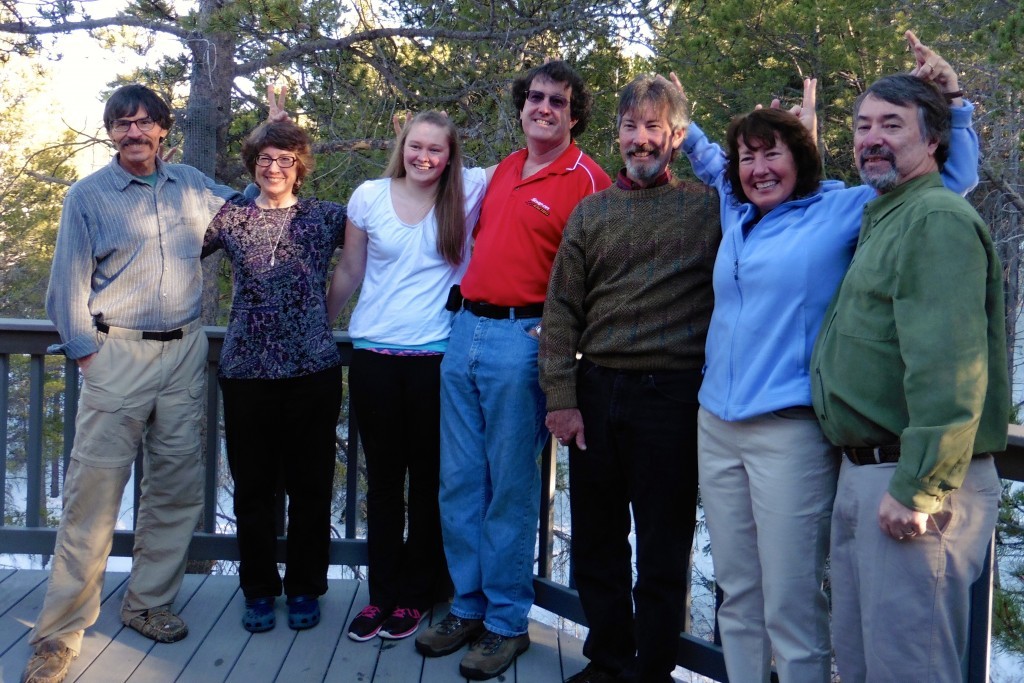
x,y
641,434
397,400
283,429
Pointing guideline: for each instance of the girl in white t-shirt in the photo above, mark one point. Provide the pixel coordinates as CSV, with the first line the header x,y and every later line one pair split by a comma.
x,y
407,240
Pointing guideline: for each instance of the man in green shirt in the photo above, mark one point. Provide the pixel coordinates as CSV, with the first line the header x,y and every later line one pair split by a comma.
x,y
911,380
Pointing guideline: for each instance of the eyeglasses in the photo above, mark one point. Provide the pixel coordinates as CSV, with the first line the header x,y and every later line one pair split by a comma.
x,y
537,97
266,160
124,125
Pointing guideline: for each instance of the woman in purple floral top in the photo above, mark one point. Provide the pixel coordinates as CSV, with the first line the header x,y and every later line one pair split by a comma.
x,y
280,374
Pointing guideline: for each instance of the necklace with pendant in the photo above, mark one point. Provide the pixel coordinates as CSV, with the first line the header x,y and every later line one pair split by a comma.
x,y
280,230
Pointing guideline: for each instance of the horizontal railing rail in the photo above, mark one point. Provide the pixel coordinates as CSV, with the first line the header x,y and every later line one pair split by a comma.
x,y
30,338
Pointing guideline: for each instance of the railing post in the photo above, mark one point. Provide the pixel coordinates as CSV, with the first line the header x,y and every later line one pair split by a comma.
x,y
70,410
34,445
979,641
5,370
351,472
546,535
212,448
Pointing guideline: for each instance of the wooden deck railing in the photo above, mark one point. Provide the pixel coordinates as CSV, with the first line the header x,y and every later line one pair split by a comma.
x,y
28,339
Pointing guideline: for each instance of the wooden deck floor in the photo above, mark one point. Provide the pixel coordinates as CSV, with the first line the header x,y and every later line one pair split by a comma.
x,y
219,649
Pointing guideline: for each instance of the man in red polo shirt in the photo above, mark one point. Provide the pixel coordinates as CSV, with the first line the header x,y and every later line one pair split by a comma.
x,y
492,408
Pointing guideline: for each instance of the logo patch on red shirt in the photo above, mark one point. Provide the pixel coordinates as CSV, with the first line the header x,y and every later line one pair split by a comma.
x,y
540,206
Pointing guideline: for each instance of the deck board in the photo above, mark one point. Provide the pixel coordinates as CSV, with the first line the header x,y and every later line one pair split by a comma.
x,y
219,650
200,604
570,653
313,650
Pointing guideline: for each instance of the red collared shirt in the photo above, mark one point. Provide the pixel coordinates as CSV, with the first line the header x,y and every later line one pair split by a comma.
x,y
521,225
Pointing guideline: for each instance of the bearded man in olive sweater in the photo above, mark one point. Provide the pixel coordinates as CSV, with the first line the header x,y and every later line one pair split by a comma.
x,y
631,291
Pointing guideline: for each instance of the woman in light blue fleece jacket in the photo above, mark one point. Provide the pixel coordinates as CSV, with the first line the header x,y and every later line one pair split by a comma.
x,y
767,473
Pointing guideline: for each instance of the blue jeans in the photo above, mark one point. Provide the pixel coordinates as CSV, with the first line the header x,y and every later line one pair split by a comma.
x,y
492,430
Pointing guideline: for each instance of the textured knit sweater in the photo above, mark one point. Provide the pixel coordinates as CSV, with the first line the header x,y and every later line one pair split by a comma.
x,y
631,285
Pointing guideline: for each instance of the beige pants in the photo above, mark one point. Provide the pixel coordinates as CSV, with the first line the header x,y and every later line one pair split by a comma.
x,y
767,485
134,392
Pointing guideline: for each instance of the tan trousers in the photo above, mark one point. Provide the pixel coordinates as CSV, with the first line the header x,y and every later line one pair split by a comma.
x,y
134,392
767,485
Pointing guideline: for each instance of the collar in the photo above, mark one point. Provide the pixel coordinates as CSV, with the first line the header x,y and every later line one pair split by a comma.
x,y
884,204
123,178
624,182
303,205
566,162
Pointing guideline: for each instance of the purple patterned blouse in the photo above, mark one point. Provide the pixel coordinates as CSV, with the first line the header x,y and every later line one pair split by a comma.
x,y
278,325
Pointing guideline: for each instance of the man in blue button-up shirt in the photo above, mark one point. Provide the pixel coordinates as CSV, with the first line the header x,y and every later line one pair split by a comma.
x,y
125,290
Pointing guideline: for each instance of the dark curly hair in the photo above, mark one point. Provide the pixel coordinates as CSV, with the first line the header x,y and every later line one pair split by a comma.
x,y
127,99
580,100
759,128
283,135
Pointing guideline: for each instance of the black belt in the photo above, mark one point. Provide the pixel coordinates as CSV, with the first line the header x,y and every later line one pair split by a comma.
x,y
486,310
169,335
883,454
872,456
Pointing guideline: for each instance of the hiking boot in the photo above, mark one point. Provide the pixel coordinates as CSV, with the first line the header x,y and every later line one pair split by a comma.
x,y
593,673
402,623
367,623
448,636
491,655
159,624
49,664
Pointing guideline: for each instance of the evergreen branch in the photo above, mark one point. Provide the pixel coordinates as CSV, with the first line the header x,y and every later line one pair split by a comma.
x,y
1015,198
29,29
49,178
346,43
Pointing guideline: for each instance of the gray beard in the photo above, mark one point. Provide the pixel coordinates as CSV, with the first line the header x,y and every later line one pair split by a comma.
x,y
886,182
642,173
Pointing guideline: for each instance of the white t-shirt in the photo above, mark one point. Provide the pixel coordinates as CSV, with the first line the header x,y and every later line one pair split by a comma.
x,y
407,281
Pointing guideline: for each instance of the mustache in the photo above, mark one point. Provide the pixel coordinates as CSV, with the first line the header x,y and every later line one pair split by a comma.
x,y
878,151
634,149
135,141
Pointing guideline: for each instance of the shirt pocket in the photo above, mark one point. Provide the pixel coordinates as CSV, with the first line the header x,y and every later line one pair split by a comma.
x,y
865,308
188,237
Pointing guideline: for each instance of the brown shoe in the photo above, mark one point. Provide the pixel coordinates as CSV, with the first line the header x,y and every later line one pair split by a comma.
x,y
448,636
593,674
491,655
159,624
49,664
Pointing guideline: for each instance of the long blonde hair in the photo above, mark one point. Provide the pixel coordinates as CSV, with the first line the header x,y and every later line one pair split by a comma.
x,y
449,202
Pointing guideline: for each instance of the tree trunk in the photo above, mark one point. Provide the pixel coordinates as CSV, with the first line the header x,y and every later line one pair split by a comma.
x,y
206,121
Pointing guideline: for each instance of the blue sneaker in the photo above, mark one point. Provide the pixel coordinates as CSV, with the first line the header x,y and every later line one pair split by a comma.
x,y
303,612
259,615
